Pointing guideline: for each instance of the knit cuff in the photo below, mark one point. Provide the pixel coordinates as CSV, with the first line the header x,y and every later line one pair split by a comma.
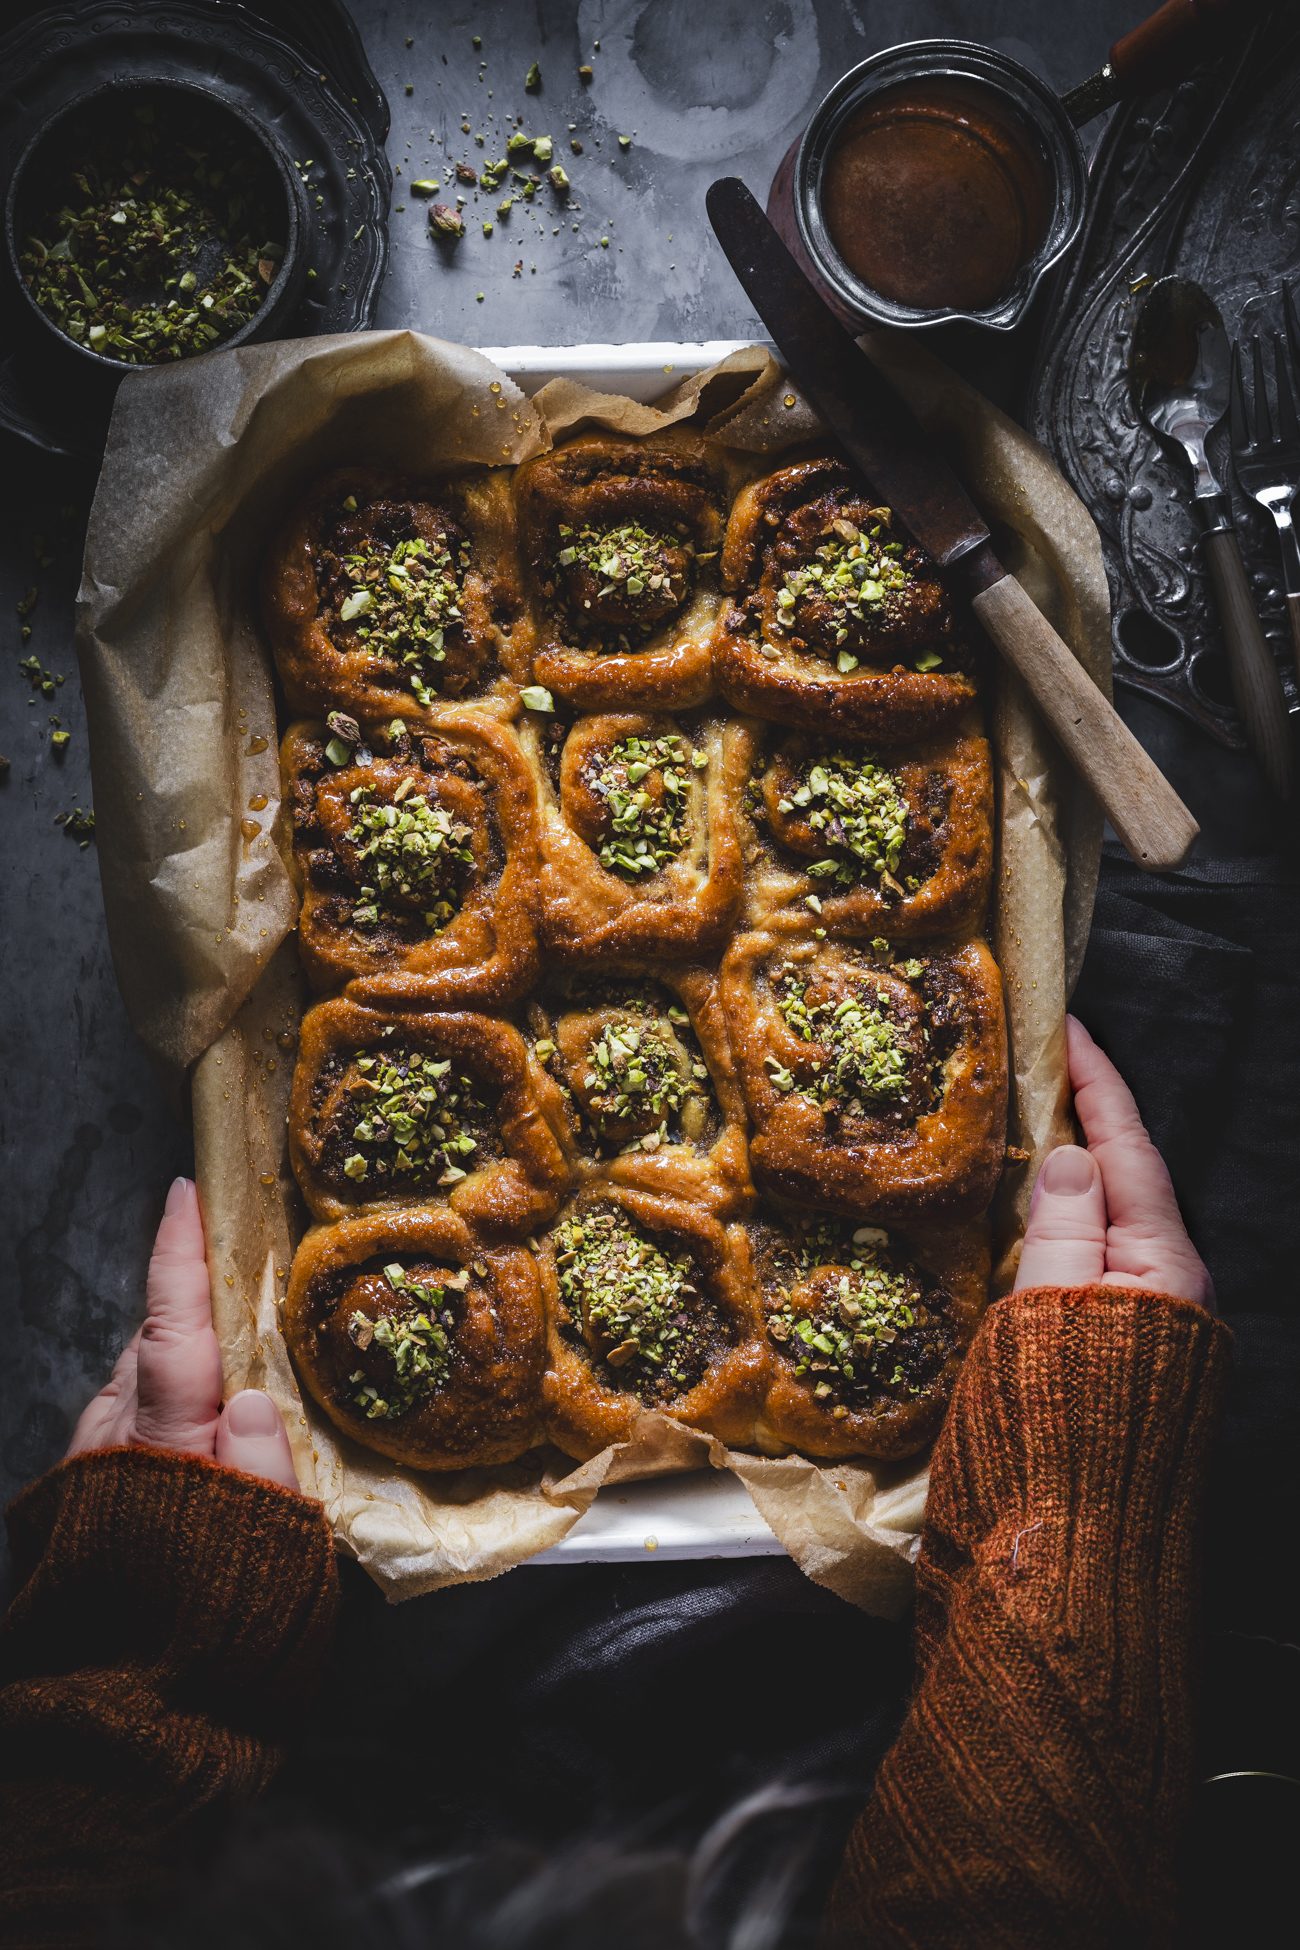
x,y
216,1571
1082,1415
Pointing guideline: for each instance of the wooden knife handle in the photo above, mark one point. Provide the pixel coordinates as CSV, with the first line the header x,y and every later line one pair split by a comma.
x,y
1256,685
1163,48
1138,800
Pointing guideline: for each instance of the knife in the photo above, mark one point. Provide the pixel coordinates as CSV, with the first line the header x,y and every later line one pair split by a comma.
x,y
884,439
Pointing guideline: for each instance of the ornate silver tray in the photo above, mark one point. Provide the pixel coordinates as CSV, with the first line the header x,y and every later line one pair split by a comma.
x,y
1204,181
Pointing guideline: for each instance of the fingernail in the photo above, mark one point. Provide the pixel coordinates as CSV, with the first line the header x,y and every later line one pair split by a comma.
x,y
1069,1171
252,1413
177,1195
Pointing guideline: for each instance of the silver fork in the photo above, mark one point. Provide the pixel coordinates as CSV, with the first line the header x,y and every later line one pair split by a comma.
x,y
1266,445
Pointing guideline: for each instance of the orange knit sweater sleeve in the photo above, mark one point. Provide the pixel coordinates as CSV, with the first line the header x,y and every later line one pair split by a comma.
x,y
170,1623
1034,1794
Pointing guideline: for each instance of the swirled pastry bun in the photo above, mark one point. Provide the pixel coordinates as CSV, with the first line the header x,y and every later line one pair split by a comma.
x,y
649,1095
877,1086
647,1308
384,596
419,1340
421,1107
416,859
864,1329
836,622
638,829
621,540
894,842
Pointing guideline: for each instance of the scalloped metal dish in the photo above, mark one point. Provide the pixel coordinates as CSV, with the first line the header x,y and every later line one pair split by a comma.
x,y
295,65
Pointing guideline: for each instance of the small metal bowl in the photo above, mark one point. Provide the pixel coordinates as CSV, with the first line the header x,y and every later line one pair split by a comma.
x,y
1035,109
203,111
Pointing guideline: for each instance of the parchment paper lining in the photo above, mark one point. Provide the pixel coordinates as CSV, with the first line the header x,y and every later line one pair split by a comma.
x,y
181,707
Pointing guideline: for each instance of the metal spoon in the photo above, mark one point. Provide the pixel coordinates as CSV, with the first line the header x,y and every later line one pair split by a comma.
x,y
1179,364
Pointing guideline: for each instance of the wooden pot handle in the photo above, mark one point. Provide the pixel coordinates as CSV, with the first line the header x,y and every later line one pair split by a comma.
x,y
1138,800
1293,617
1162,49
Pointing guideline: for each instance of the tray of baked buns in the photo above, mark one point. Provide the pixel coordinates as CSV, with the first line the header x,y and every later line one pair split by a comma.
x,y
633,1080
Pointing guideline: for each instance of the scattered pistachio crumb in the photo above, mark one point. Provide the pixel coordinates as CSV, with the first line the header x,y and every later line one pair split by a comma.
x,y
78,825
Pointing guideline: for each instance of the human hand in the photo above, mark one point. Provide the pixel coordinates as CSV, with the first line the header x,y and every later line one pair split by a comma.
x,y
166,1388
1108,1214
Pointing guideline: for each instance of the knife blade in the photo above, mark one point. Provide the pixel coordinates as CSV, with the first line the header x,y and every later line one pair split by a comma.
x,y
902,464
870,421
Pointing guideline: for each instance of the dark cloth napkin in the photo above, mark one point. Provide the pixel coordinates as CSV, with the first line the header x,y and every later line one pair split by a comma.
x,y
1190,986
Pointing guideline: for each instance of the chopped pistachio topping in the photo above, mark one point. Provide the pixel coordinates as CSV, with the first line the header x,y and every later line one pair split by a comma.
x,y
867,1062
630,1296
417,1341
629,560
851,568
859,810
411,1112
846,1342
412,853
402,602
647,832
150,252
635,1068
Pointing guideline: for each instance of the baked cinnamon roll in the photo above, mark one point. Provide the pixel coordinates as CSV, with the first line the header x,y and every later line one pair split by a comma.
x,y
836,622
416,859
419,1340
877,1085
383,596
420,1107
864,1331
896,842
621,540
640,848
648,1090
646,1309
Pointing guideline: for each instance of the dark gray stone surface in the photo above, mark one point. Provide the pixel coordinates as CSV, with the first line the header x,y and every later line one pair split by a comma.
x,y
88,1136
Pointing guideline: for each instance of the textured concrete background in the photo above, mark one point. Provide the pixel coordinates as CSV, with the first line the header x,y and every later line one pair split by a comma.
x,y
88,1137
